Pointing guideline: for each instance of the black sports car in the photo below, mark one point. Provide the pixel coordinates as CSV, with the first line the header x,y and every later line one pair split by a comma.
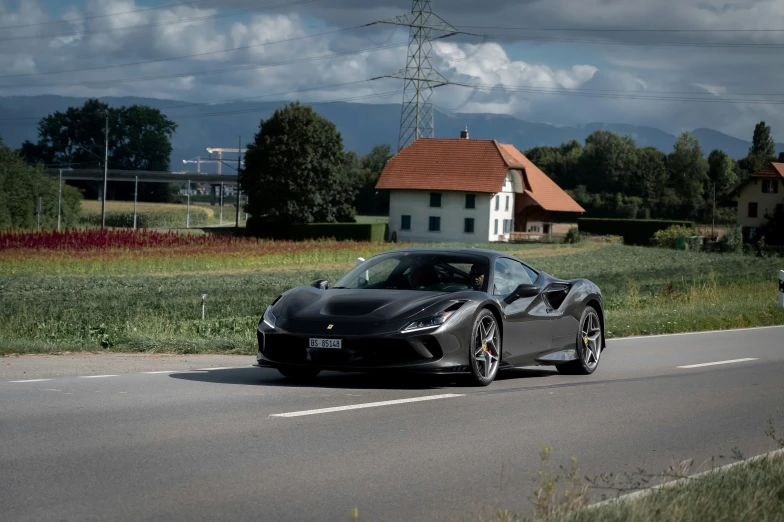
x,y
438,310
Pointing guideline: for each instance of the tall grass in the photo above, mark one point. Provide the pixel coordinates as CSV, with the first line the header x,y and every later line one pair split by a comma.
x,y
147,298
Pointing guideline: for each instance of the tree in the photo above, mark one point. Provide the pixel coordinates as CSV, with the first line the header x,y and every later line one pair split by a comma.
x,y
608,163
688,171
20,187
370,201
139,139
652,178
762,144
297,172
721,171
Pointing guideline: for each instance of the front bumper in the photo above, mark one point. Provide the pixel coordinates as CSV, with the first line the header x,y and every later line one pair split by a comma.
x,y
432,353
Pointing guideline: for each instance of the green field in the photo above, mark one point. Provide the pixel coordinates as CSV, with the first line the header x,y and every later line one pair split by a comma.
x,y
139,300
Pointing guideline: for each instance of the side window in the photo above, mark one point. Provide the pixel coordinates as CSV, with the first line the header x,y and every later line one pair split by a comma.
x,y
380,272
509,275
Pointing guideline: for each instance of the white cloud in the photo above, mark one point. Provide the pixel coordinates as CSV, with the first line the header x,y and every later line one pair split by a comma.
x,y
615,71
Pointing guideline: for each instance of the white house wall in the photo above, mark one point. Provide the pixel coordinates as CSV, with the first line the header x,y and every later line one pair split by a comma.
x,y
416,203
503,212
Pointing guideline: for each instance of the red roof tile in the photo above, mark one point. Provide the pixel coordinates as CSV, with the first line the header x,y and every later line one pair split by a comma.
x,y
470,166
770,170
540,187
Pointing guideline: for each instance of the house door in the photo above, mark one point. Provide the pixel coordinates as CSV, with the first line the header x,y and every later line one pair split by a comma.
x,y
546,228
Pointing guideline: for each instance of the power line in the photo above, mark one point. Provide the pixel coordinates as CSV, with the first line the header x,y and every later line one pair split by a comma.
x,y
630,30
159,24
630,95
631,42
93,17
182,57
200,73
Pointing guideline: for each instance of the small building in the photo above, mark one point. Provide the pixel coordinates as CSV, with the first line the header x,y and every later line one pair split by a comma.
x,y
470,191
757,198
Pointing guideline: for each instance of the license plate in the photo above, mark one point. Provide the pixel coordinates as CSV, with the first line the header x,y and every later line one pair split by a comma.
x,y
326,343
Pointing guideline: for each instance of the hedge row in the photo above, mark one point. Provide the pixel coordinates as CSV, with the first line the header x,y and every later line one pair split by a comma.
x,y
374,232
633,231
149,219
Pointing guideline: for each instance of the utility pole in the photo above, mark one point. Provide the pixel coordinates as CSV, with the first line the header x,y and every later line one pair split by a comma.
x,y
239,166
417,118
135,198
105,173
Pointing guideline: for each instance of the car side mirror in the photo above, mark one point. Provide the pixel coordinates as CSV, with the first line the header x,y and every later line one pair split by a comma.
x,y
522,292
321,284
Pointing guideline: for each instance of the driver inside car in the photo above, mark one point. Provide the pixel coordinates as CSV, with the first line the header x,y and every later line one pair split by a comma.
x,y
422,276
476,276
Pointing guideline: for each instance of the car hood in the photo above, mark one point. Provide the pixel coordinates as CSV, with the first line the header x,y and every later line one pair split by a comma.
x,y
356,306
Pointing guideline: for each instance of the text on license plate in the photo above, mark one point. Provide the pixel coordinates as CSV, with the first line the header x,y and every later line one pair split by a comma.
x,y
326,343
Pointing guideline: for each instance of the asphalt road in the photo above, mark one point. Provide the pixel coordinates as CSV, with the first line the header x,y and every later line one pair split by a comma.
x,y
225,443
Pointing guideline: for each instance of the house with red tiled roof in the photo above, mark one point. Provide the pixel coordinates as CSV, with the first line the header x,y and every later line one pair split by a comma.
x,y
758,197
468,191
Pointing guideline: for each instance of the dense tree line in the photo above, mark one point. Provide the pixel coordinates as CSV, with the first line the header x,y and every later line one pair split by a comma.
x,y
611,177
20,188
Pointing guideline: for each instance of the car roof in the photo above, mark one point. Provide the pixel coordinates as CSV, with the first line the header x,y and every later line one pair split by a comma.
x,y
492,254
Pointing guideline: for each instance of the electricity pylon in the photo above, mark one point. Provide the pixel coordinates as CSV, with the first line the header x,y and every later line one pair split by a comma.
x,y
417,118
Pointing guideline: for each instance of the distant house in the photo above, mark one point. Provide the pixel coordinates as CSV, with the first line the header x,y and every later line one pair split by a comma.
x,y
469,191
758,197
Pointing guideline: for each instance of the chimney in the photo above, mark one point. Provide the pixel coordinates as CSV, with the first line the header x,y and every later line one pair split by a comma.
x,y
781,157
464,134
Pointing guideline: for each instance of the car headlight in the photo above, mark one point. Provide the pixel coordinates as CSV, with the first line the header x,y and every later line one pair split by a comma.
x,y
428,323
269,317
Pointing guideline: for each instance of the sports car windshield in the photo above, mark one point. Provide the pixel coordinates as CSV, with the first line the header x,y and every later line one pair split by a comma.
x,y
435,272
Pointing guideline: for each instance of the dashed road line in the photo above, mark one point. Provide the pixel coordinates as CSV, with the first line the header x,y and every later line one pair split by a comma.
x,y
368,405
733,361
96,376
32,380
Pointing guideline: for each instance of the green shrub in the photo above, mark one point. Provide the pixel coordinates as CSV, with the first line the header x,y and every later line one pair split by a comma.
x,y
374,232
20,187
573,236
633,231
148,219
666,238
732,241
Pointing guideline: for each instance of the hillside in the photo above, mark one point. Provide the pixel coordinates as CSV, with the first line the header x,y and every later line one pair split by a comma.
x,y
362,126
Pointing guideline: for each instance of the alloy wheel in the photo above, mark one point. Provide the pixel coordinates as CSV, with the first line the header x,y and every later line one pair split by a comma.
x,y
487,351
591,337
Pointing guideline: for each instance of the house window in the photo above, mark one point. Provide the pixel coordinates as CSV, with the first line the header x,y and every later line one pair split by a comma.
x,y
752,210
405,222
507,203
770,186
435,224
507,226
497,202
470,200
468,227
495,228
435,199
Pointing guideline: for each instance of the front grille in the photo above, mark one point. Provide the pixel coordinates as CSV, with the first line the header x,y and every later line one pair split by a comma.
x,y
290,349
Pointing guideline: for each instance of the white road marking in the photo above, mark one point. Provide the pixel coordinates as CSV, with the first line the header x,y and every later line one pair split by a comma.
x,y
33,380
705,332
717,362
163,371
219,368
644,492
368,405
95,376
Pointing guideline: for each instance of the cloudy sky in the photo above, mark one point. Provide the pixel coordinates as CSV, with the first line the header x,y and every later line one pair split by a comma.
x,y
672,64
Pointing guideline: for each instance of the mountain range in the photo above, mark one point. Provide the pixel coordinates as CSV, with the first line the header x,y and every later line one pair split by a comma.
x,y
361,125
